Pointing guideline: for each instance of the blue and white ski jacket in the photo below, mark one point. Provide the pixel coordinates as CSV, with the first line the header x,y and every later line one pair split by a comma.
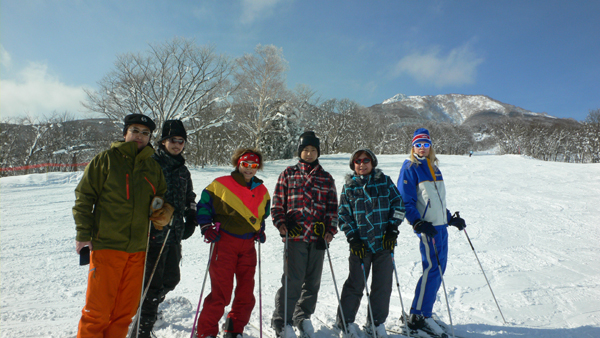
x,y
368,204
423,192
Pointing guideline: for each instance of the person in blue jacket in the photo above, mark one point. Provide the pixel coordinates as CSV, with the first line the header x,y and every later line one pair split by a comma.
x,y
422,188
370,212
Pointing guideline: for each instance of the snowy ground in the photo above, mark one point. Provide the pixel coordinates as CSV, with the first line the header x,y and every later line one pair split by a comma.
x,y
534,224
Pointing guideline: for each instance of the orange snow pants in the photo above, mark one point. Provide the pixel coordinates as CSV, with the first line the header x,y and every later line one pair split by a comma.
x,y
113,293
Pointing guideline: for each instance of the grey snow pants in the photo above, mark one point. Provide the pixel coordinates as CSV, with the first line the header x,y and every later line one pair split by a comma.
x,y
380,291
305,267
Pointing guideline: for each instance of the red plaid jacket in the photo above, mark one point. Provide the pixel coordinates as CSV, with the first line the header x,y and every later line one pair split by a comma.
x,y
308,196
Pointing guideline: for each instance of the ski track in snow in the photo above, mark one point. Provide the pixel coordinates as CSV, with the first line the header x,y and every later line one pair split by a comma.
x,y
534,226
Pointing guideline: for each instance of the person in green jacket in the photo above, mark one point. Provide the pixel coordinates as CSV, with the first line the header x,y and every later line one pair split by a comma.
x,y
111,212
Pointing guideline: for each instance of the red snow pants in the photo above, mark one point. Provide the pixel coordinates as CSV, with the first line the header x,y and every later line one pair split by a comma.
x,y
113,293
231,256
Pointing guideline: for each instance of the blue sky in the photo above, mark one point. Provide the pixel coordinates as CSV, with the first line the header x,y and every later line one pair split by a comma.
x,y
543,56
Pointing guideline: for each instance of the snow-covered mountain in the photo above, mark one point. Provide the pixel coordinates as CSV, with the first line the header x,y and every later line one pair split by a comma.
x,y
454,108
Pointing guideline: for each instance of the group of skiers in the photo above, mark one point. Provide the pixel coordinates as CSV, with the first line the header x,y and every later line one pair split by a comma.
x,y
134,205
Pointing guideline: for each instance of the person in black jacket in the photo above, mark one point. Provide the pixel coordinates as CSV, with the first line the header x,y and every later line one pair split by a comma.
x,y
180,194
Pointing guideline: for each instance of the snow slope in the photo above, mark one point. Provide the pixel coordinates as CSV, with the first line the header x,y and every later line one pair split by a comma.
x,y
533,224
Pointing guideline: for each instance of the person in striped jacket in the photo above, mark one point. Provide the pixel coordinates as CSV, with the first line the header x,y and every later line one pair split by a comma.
x,y
231,213
305,213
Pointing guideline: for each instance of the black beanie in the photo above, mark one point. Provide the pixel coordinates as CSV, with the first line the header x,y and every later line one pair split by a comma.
x,y
138,119
308,138
173,128
366,151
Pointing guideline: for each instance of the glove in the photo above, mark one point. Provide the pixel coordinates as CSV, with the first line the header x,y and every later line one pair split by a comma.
x,y
294,229
319,229
457,222
162,217
260,236
357,247
389,238
190,224
424,227
210,232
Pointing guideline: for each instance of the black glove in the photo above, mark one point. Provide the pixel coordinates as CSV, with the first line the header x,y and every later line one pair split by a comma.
x,y
190,223
319,229
260,236
424,227
389,238
357,247
294,229
457,222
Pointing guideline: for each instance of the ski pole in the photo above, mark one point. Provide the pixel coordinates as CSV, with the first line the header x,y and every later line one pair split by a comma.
x,y
486,279
362,265
400,294
336,291
259,292
136,319
212,247
285,302
443,284
156,203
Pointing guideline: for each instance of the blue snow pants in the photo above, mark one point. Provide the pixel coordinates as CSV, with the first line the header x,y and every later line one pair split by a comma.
x,y
430,281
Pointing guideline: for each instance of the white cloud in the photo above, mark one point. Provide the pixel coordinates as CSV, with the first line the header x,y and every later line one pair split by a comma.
x,y
458,67
5,59
37,93
253,10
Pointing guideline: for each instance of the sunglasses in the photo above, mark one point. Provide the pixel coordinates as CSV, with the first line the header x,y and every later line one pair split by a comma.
x,y
177,140
134,130
364,160
249,165
424,145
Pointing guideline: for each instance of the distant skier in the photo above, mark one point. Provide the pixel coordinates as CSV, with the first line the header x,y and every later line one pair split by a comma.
x,y
424,194
371,209
180,194
111,212
470,153
232,212
305,208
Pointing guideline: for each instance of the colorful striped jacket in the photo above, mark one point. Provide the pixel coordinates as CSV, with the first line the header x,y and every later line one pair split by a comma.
x,y
307,195
240,208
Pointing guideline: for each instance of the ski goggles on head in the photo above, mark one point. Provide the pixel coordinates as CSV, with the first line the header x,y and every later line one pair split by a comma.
x,y
176,140
249,165
424,145
364,160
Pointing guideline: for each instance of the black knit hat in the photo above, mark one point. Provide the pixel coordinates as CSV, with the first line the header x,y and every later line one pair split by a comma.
x,y
173,128
366,151
308,138
138,119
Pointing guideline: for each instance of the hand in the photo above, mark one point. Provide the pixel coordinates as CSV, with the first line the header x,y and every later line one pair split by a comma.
x,y
81,245
210,232
319,229
190,224
162,217
357,247
424,227
260,236
457,222
390,237
293,229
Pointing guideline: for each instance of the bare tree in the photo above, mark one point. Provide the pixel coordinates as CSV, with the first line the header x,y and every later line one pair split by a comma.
x,y
261,91
174,80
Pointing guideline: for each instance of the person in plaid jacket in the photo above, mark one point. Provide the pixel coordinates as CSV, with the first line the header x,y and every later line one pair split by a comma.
x,y
371,209
305,209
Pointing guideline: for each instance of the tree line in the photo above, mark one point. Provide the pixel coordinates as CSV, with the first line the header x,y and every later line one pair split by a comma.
x,y
227,103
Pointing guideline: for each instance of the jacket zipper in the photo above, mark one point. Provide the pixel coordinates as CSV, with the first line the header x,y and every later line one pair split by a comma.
x,y
127,184
153,189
